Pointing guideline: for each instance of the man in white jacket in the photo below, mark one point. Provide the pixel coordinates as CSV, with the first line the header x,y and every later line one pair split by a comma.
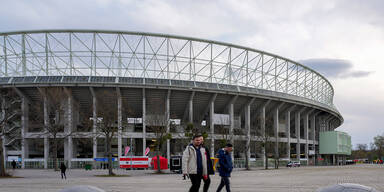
x,y
195,163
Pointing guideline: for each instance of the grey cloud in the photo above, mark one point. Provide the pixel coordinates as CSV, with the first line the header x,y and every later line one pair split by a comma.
x,y
335,68
357,74
189,19
328,67
361,116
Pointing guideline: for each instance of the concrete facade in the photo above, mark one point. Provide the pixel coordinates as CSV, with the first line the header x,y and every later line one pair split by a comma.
x,y
268,113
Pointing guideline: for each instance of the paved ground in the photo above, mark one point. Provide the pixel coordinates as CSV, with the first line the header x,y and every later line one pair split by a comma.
x,y
284,179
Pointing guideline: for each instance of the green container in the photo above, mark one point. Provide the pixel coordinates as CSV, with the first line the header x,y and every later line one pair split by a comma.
x,y
88,167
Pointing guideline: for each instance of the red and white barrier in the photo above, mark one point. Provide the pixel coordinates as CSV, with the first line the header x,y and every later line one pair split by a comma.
x,y
134,162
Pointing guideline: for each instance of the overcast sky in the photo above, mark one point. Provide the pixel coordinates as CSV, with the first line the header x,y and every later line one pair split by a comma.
x,y
342,39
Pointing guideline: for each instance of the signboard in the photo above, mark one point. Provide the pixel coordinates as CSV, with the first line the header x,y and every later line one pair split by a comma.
x,y
134,162
33,160
135,120
15,158
311,152
175,121
103,159
221,119
82,159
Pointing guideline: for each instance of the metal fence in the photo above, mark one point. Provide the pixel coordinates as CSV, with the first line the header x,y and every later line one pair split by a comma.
x,y
240,163
79,164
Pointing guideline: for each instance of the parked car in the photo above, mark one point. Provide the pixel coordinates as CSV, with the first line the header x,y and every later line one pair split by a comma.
x,y
293,164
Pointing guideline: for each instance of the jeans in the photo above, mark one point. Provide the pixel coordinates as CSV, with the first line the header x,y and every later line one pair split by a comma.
x,y
224,181
196,181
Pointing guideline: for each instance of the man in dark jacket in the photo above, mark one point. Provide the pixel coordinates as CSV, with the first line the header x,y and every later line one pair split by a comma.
x,y
225,169
63,168
13,164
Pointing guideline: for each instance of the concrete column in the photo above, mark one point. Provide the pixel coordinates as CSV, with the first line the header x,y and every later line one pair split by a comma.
x,y
331,124
167,113
69,129
276,130
297,126
94,129
288,133
190,109
313,127
3,136
248,129
46,136
66,148
144,123
26,152
232,125
306,119
212,126
119,123
327,125
262,126
4,151
75,149
24,130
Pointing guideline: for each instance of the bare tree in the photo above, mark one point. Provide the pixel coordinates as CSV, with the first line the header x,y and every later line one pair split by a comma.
x,y
54,117
378,142
266,138
157,122
267,141
243,148
9,102
223,130
361,152
106,122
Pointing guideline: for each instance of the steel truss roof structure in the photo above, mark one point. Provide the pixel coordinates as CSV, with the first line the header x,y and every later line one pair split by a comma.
x,y
30,55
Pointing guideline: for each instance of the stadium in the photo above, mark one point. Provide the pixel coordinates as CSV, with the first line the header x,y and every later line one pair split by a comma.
x,y
232,93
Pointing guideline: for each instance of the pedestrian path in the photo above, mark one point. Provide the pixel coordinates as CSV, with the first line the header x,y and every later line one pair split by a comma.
x,y
284,179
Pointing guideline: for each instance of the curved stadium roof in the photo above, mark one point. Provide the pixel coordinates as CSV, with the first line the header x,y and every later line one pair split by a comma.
x,y
123,54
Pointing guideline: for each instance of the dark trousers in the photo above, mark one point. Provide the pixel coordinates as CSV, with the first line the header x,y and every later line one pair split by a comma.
x,y
63,174
224,181
206,184
196,181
